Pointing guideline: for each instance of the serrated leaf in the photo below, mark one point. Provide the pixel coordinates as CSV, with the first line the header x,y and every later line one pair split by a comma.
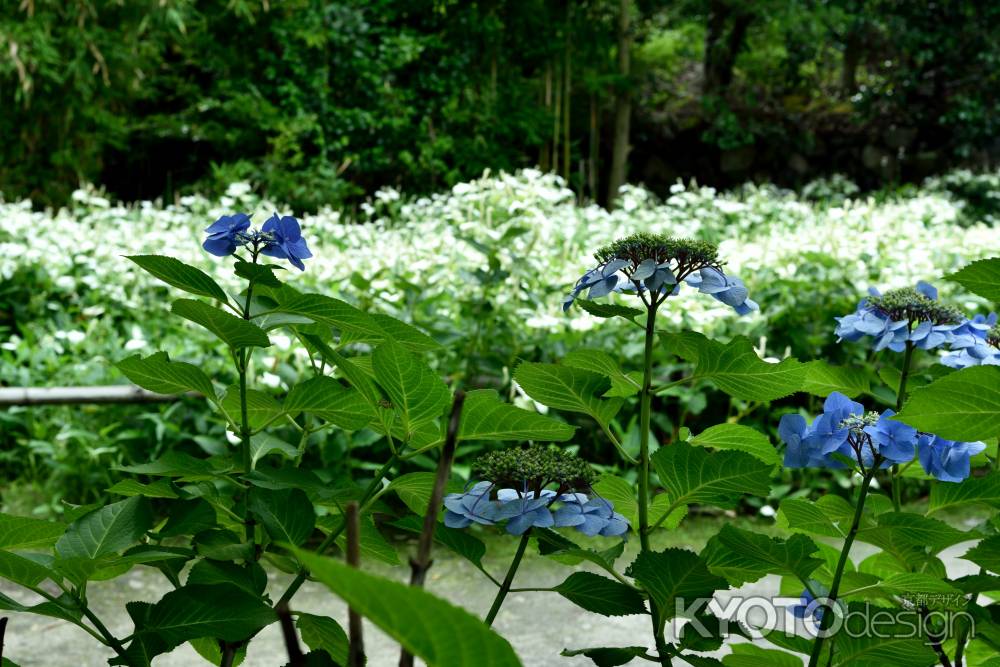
x,y
23,571
607,310
426,626
688,345
222,611
693,475
178,274
331,401
738,438
322,633
264,444
231,330
822,379
340,315
964,405
486,417
414,489
982,278
743,556
983,491
598,361
287,514
262,408
178,464
736,369
110,529
417,394
158,374
748,655
25,533
567,388
894,644
622,496
161,488
601,595
259,274
188,517
672,577
249,577
405,334
607,656
986,554
911,538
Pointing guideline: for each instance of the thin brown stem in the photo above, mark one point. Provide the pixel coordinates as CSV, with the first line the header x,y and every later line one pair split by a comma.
x,y
421,563
356,647
295,657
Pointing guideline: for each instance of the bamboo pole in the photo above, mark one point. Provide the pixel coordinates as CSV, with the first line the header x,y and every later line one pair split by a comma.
x,y
76,395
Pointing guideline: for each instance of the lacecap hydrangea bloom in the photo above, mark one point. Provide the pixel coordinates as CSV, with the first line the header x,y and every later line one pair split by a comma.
x,y
902,316
846,432
656,264
514,492
976,343
279,237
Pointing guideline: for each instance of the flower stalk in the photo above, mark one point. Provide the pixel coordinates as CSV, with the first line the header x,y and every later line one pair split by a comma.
x,y
508,580
904,376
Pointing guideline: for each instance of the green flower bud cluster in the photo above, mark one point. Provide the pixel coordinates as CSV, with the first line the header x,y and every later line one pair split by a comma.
x,y
689,254
537,466
993,336
857,423
908,305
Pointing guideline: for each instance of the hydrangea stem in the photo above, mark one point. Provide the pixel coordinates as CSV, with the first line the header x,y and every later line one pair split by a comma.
x,y
645,401
509,579
841,564
904,376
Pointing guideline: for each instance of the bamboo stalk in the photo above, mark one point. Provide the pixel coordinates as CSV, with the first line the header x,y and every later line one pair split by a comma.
x,y
77,395
355,633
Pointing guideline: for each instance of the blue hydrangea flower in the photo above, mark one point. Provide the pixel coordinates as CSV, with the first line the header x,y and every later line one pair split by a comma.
x,y
846,429
975,342
894,440
901,316
474,506
226,233
727,289
946,460
524,510
594,516
285,240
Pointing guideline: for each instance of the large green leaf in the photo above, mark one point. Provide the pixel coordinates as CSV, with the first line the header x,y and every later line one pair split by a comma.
x,y
674,576
25,533
564,550
964,405
188,517
331,401
694,475
736,369
601,595
340,315
973,491
623,496
249,577
607,656
986,554
608,310
461,542
406,335
911,538
417,394
822,379
262,408
749,655
179,464
178,274
856,645
161,488
598,361
739,438
414,489
222,611
430,628
486,417
982,278
233,331
322,633
23,571
568,388
110,529
157,373
742,556
287,514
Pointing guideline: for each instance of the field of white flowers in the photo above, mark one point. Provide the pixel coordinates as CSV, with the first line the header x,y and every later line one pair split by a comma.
x,y
518,241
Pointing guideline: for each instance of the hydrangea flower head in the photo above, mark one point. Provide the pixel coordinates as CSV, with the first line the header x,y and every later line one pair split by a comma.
x,y
946,460
226,233
847,430
901,316
656,264
976,343
284,240
515,493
